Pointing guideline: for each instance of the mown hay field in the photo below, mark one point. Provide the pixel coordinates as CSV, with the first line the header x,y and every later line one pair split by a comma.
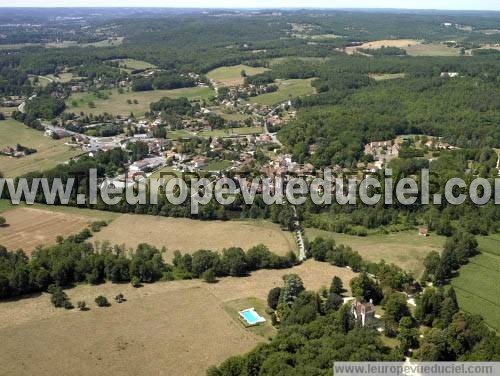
x,y
189,235
166,328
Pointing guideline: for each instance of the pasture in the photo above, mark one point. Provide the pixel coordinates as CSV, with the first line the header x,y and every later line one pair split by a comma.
x,y
189,235
405,249
49,152
27,228
180,327
288,89
115,103
231,76
478,284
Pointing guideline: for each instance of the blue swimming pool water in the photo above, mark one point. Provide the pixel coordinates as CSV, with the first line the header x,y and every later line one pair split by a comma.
x,y
250,317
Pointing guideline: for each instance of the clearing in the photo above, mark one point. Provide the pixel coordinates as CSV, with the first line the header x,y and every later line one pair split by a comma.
x,y
231,132
288,89
116,103
179,327
188,235
478,284
49,153
411,46
386,76
28,228
406,249
231,76
131,64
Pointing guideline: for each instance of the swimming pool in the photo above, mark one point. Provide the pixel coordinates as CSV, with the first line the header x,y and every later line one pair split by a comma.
x,y
251,317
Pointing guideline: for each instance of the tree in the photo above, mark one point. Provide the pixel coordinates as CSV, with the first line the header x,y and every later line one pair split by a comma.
x,y
102,301
273,297
233,261
209,276
365,288
81,305
449,306
333,302
3,221
292,288
408,334
119,298
336,286
59,298
395,307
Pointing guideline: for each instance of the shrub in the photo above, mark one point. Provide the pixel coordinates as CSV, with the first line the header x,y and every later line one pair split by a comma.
x,y
101,301
273,297
3,221
98,225
135,282
119,298
81,305
59,298
209,276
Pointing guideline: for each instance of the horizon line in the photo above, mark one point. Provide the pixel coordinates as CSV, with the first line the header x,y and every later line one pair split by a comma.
x,y
240,8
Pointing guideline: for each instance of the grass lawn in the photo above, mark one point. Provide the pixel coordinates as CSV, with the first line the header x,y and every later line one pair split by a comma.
x,y
405,249
116,103
288,89
178,134
231,76
232,308
217,165
49,152
231,132
478,283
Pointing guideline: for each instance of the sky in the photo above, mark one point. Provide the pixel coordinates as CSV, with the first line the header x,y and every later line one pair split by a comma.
x,y
421,4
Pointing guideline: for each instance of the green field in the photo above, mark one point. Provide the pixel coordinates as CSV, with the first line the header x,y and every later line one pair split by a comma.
x,y
231,76
231,132
116,103
217,165
288,89
478,282
406,249
49,152
134,64
431,49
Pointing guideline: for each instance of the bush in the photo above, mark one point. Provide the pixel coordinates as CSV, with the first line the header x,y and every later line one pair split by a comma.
x,y
209,276
3,221
101,301
135,282
273,297
98,225
81,305
59,298
120,298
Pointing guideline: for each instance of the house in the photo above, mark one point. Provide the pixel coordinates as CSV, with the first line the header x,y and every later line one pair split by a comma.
x,y
424,231
449,74
365,312
200,161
